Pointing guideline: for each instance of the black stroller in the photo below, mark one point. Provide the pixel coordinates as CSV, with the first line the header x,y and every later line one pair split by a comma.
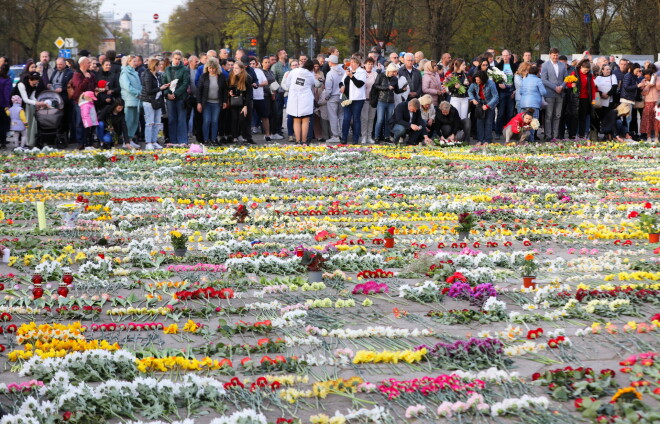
x,y
49,120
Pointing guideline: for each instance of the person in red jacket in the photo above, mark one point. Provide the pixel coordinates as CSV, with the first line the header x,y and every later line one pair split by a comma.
x,y
586,94
519,126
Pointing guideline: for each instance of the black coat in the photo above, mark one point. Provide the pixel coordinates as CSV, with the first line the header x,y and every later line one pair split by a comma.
x,y
150,86
402,116
414,80
204,84
247,94
453,120
514,69
383,83
608,123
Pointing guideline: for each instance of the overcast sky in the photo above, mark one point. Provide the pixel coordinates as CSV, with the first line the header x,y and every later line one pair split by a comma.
x,y
142,11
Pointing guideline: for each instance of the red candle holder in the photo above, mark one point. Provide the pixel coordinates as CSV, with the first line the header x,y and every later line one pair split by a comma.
x,y
67,278
63,290
37,291
37,279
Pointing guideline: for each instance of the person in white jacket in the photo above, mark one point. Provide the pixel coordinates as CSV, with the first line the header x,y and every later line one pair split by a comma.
x,y
354,89
300,104
332,96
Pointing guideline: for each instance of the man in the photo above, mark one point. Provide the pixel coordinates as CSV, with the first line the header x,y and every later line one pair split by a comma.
x,y
280,68
506,89
302,59
374,53
111,55
44,58
332,95
140,68
194,117
176,99
564,60
613,65
448,122
101,58
273,59
58,83
407,120
527,57
326,67
321,59
224,54
412,75
200,69
552,76
490,55
83,80
419,56
445,60
394,58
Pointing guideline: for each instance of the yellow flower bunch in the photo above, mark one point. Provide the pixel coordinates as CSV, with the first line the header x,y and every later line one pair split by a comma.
x,y
30,332
59,349
171,329
172,363
388,356
321,389
2,215
625,392
324,419
191,327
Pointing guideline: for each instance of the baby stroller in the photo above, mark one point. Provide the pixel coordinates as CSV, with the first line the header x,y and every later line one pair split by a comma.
x,y
49,120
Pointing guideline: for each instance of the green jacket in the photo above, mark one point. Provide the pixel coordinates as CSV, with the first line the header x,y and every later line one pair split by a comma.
x,y
183,75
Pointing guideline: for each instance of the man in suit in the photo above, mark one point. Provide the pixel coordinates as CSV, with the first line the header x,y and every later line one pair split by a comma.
x,y
412,75
552,76
407,120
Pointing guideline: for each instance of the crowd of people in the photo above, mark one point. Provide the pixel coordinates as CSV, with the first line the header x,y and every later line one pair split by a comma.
x,y
213,99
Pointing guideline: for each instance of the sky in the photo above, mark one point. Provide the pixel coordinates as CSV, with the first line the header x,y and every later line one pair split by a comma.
x,y
142,11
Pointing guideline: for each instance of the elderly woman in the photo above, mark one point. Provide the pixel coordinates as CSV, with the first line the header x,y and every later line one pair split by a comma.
x,y
387,85
431,83
428,112
532,92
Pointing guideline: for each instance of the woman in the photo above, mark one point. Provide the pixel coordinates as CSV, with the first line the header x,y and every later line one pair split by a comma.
x,y
300,104
428,112
29,88
431,83
460,100
211,97
651,94
353,88
286,83
521,73
269,93
239,88
387,85
29,67
531,95
153,102
261,107
5,102
321,122
586,94
612,124
606,84
483,95
368,112
131,87
629,90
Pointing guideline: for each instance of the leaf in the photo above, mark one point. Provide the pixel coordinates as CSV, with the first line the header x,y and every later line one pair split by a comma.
x,y
561,394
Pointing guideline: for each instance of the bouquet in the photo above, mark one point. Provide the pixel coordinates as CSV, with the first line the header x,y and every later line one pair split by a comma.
x,y
570,82
178,239
451,82
240,214
313,261
535,124
498,77
345,101
466,222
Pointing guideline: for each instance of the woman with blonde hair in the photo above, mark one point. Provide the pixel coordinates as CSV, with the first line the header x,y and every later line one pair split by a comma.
x,y
153,102
131,88
211,96
521,73
240,96
387,85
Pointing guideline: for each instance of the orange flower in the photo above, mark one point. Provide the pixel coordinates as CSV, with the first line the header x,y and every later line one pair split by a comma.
x,y
529,257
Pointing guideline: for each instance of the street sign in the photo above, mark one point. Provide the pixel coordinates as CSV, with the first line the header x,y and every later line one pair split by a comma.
x,y
59,42
156,16
65,53
587,18
70,43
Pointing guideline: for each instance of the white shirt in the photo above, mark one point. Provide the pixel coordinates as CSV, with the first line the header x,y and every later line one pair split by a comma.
x,y
355,93
555,66
604,85
258,93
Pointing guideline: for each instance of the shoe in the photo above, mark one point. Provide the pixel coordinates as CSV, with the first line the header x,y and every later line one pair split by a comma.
x,y
267,138
157,146
255,130
149,146
291,139
333,140
371,140
250,141
276,137
79,148
89,148
134,145
321,140
363,140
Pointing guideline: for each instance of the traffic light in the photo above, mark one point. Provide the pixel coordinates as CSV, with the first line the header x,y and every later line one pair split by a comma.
x,y
253,42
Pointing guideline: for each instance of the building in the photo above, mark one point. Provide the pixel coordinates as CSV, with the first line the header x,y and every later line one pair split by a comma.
x,y
112,27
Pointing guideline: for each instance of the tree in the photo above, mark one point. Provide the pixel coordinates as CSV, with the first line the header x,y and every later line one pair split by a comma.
x,y
587,35
320,16
443,20
382,16
263,14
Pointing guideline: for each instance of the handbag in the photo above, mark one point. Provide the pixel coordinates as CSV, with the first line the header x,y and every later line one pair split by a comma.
x,y
373,97
158,102
236,101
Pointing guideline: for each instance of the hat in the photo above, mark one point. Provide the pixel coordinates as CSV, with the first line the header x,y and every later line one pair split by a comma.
x,y
402,54
392,68
83,52
333,58
374,50
89,94
102,84
34,75
426,99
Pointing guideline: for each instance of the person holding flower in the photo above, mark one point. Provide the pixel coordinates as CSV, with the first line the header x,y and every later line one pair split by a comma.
x,y
519,127
584,90
532,91
457,84
483,95
553,74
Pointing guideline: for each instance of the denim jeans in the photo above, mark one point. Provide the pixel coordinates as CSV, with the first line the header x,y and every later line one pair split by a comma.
x,y
151,122
504,110
399,131
211,113
383,113
485,127
78,129
354,112
176,119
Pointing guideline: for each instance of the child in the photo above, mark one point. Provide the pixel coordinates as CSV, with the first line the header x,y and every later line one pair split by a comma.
x,y
88,116
18,121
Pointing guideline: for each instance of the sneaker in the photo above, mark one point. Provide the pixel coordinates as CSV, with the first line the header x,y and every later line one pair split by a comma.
x,y
333,140
255,130
363,140
157,146
291,139
134,145
89,148
371,141
276,137
149,146
241,139
267,138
